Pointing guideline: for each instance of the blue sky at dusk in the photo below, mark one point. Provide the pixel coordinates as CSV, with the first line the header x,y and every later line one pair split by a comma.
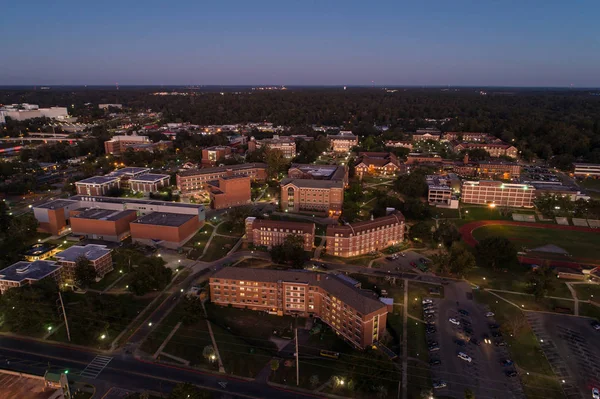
x,y
294,42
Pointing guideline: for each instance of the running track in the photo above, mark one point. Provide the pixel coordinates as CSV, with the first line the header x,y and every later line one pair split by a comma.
x,y
467,230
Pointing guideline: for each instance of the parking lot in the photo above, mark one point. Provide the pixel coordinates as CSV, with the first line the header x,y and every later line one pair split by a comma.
x,y
407,261
468,356
572,348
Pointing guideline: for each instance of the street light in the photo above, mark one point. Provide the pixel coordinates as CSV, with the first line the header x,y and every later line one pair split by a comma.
x,y
103,336
150,324
49,328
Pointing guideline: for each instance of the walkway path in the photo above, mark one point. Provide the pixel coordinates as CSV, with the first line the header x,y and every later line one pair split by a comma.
x,y
214,341
114,283
576,304
166,341
214,232
526,294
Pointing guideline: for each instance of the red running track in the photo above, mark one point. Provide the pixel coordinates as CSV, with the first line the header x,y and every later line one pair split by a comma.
x,y
467,230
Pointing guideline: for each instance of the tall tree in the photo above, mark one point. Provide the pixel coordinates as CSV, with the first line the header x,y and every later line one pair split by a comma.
x,y
496,252
85,273
290,252
541,281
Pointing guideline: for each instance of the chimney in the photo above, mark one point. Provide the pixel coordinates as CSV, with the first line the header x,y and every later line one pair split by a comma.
x,y
318,276
466,159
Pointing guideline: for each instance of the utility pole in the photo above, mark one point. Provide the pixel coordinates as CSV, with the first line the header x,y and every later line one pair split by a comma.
x,y
297,360
65,316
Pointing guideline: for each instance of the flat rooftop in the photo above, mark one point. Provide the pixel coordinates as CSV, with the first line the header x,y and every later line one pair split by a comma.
x,y
221,169
21,386
129,171
102,214
164,219
98,180
322,172
56,204
149,178
21,271
90,251
84,199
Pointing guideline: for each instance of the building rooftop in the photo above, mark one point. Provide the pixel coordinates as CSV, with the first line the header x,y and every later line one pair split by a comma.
x,y
91,251
164,219
57,204
221,169
311,183
149,177
22,271
98,180
129,171
115,200
361,300
305,227
39,249
102,214
331,172
356,228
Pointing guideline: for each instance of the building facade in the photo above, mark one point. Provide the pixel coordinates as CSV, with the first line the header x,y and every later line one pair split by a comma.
x,y
101,224
23,273
118,144
286,145
169,230
228,191
149,183
376,164
211,156
494,149
99,256
352,313
496,193
195,180
364,237
267,233
584,170
343,141
97,185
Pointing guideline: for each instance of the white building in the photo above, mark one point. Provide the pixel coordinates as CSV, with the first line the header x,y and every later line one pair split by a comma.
x,y
587,170
21,112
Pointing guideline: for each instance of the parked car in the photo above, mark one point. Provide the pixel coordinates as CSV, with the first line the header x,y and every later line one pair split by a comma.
x,y
507,362
490,314
439,384
494,326
434,349
595,393
454,321
389,258
510,373
596,325
434,362
465,357
463,312
413,264
431,330
427,300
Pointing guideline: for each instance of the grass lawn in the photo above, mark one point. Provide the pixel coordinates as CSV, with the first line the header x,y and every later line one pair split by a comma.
x,y
218,248
590,183
589,310
199,241
444,213
419,379
394,328
188,342
416,293
108,279
587,291
144,315
394,288
528,302
578,243
472,213
511,280
160,333
92,315
524,348
228,229
536,386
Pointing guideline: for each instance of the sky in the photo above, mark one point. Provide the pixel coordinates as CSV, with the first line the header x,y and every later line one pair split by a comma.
x,y
301,42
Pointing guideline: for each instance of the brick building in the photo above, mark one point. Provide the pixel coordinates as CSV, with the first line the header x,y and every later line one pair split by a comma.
x,y
343,141
194,180
496,193
314,189
101,224
399,144
170,230
149,183
99,256
376,164
23,273
286,145
494,149
468,136
228,191
211,156
355,314
262,232
128,173
118,144
364,237
427,134
97,185
421,158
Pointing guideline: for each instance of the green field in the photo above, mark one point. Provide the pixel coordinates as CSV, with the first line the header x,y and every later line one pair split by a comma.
x,y
218,248
578,243
587,291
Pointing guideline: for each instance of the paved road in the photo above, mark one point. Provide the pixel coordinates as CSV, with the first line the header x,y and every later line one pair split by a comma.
x,y
126,372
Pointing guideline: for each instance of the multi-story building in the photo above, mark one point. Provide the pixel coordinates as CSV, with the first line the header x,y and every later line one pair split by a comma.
x,y
213,155
23,273
376,164
267,233
496,193
21,112
54,216
585,170
125,174
98,255
343,141
97,185
442,190
101,224
285,144
228,191
170,230
149,183
195,180
468,136
399,144
359,317
426,134
363,237
498,169
314,189
118,144
494,149
421,158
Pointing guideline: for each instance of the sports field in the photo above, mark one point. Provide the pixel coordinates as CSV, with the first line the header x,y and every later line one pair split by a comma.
x,y
580,244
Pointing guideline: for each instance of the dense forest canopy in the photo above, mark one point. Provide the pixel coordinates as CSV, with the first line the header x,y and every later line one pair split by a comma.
x,y
561,125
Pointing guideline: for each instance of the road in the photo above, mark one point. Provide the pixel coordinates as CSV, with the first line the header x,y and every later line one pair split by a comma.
x,y
126,372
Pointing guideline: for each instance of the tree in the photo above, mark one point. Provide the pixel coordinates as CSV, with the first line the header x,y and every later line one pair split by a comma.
x,y
516,324
188,391
236,217
208,352
496,252
276,162
314,380
25,309
150,275
192,310
274,365
446,233
85,273
457,260
469,394
412,185
420,231
441,262
290,252
382,391
541,281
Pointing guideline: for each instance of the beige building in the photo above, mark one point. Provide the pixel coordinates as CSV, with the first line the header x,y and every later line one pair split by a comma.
x,y
286,145
356,315
496,193
267,233
343,141
363,237
195,180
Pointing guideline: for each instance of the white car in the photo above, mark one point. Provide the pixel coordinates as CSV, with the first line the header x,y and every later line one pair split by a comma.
x,y
439,384
490,314
427,301
595,393
454,321
465,357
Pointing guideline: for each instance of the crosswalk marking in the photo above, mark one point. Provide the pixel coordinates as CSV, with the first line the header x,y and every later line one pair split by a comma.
x,y
96,366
